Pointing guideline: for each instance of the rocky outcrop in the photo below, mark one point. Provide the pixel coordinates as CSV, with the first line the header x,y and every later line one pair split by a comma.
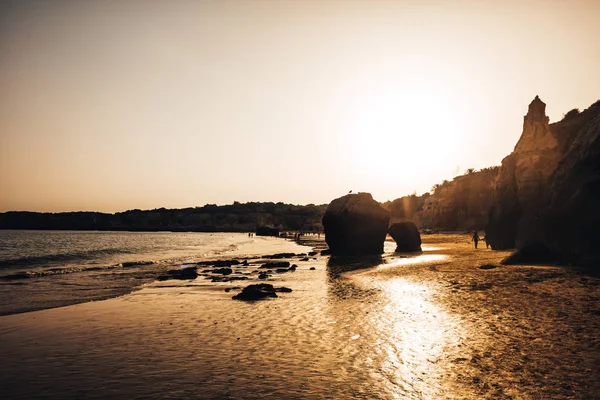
x,y
524,174
182,273
406,235
259,291
567,223
355,224
546,200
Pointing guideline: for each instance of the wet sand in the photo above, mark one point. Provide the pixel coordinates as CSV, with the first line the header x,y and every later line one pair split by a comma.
x,y
397,326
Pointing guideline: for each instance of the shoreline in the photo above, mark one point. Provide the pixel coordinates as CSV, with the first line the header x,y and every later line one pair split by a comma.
x,y
256,249
429,325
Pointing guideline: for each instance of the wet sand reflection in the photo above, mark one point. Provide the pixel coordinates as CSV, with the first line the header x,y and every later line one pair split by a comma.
x,y
403,333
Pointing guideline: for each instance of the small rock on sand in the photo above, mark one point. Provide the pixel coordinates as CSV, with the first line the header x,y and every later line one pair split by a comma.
x,y
259,291
274,265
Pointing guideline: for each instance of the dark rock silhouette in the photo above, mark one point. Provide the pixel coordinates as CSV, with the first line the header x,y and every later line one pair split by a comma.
x,y
274,265
222,271
355,224
523,174
259,291
524,179
184,273
534,253
568,222
548,192
281,255
266,231
406,235
488,266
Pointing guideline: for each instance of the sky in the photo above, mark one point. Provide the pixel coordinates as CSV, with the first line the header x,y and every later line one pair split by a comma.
x,y
116,105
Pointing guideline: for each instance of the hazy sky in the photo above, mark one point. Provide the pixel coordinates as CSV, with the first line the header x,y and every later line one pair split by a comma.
x,y
113,105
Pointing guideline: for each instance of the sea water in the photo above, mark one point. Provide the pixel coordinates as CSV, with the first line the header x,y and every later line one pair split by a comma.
x,y
45,269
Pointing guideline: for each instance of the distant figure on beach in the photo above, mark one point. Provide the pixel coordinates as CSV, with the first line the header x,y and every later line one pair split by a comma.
x,y
487,245
475,238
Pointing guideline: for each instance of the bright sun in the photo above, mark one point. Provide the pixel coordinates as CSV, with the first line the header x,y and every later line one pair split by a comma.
x,y
407,138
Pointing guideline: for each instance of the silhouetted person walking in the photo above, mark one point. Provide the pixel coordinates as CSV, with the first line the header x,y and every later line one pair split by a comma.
x,y
487,245
475,238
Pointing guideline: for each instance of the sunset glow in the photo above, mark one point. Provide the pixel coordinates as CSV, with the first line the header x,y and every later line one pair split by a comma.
x,y
116,105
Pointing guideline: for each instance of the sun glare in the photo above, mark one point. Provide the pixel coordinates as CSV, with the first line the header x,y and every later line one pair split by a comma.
x,y
407,136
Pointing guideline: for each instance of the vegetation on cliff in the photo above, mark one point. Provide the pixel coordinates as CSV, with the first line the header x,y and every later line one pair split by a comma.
x,y
457,205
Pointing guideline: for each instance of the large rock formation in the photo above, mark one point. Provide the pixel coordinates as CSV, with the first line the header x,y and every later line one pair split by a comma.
x,y
522,177
355,224
548,191
567,223
406,235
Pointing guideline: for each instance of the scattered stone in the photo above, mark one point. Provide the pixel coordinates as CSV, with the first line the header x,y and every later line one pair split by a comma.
x,y
488,266
184,273
293,267
238,278
225,263
227,278
312,268
263,275
281,270
259,291
304,259
280,255
312,253
219,263
282,264
222,271
227,290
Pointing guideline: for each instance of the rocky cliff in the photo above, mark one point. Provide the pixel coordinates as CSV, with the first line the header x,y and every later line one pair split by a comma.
x,y
461,204
457,205
523,185
569,224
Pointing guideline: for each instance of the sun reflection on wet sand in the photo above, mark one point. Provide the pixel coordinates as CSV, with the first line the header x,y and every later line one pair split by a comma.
x,y
420,259
414,336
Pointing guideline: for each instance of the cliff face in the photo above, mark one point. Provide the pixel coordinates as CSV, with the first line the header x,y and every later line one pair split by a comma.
x,y
524,180
461,204
573,216
568,220
407,208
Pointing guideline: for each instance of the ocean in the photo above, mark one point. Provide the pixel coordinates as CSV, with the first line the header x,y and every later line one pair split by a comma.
x,y
46,269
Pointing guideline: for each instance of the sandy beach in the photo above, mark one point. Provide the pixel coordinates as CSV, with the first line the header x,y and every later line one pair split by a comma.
x,y
433,325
